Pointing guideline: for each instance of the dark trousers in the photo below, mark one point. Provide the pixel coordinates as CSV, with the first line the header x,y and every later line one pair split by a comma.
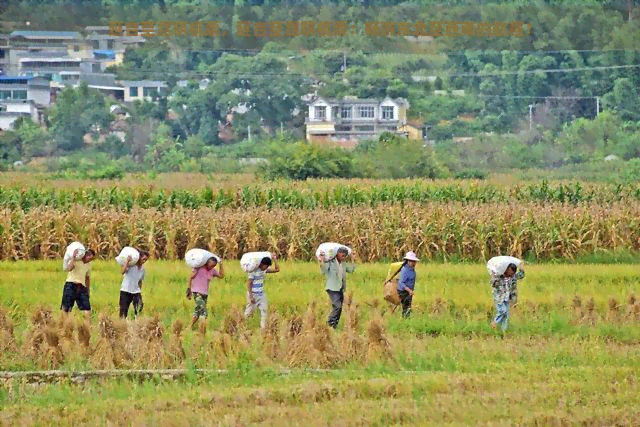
x,y
75,293
125,301
337,298
405,300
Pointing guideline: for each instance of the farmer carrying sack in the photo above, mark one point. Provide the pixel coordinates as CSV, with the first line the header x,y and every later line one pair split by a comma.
x,y
196,258
498,265
251,260
128,252
68,255
330,250
391,284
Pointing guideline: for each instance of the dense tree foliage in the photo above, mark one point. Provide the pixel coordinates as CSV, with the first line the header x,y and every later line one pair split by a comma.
x,y
528,100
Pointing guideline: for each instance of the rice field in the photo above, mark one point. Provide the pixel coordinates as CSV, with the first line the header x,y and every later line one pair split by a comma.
x,y
569,358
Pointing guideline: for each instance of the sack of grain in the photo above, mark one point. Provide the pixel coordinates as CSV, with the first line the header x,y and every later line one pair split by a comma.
x,y
391,283
196,258
330,250
68,255
128,252
251,260
391,292
498,265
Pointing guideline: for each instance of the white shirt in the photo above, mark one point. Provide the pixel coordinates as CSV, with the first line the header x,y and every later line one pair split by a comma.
x,y
131,280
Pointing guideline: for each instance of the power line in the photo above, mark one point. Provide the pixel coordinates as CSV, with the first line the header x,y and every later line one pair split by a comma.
x,y
448,53
539,97
497,74
553,70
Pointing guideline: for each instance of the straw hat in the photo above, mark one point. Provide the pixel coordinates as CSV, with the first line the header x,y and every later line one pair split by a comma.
x,y
411,256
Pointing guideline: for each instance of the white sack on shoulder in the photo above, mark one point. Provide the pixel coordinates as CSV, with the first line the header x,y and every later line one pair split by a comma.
x,y
125,253
498,265
196,258
330,250
68,255
251,260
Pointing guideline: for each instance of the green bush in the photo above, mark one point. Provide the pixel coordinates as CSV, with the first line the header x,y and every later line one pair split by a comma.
x,y
471,174
395,157
302,161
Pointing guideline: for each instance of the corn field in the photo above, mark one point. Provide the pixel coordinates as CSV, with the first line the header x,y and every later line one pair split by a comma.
x,y
448,231
310,196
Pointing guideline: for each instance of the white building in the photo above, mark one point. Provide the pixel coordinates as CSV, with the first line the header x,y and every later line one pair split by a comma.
x,y
353,119
11,110
20,88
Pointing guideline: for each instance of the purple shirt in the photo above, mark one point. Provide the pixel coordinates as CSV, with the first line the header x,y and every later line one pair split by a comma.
x,y
200,283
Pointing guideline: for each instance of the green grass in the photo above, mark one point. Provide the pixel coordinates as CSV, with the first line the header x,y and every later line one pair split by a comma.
x,y
448,367
25,284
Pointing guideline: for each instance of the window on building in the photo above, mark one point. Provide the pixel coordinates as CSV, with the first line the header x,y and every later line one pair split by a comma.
x,y
109,44
387,113
133,91
150,91
5,94
345,112
364,128
19,94
365,112
95,67
95,44
343,128
321,113
76,48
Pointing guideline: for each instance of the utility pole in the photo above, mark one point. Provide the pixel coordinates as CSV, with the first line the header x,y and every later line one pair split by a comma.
x,y
249,130
530,116
597,105
344,61
281,130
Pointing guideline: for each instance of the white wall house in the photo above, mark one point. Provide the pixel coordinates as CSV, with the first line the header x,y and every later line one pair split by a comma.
x,y
351,118
11,110
19,88
143,90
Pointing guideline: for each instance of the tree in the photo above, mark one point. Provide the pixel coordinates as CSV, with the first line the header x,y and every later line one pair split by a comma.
x,y
34,140
76,113
624,99
164,154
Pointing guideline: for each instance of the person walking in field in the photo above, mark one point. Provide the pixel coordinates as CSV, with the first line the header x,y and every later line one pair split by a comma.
x,y
256,297
131,288
336,273
407,282
76,288
199,287
505,294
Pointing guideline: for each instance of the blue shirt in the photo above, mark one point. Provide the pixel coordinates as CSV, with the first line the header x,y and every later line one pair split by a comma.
x,y
407,278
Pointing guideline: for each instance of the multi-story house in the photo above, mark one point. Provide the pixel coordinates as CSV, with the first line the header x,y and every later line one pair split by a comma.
x,y
49,64
22,97
99,38
141,90
20,88
29,44
12,110
121,90
351,119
